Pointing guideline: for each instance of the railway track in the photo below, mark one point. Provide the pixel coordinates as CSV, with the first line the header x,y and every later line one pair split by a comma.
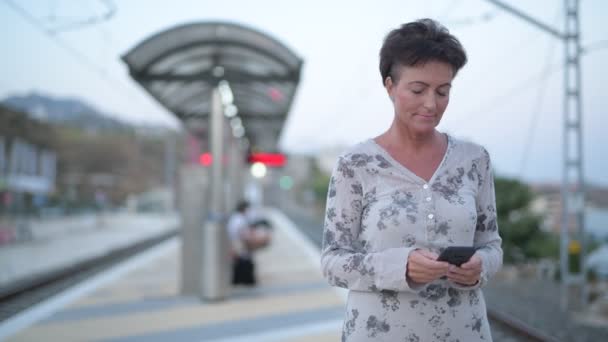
x,y
29,292
506,328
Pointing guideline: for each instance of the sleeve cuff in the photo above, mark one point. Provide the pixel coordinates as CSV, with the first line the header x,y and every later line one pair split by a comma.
x,y
391,266
467,287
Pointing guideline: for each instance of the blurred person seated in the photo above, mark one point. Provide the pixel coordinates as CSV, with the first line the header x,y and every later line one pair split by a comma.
x,y
246,237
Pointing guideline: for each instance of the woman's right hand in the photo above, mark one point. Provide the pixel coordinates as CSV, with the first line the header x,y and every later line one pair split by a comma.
x,y
423,267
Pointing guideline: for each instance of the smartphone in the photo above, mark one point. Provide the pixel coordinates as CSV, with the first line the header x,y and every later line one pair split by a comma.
x,y
457,255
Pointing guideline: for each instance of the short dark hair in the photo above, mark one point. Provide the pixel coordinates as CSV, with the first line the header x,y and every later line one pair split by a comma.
x,y
419,42
242,205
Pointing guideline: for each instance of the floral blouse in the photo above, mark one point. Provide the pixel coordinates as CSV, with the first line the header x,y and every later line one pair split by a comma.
x,y
378,211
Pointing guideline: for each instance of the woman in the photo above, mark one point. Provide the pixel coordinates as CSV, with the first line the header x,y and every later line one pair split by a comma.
x,y
396,201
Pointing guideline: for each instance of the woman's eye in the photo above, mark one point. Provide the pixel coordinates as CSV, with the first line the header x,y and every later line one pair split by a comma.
x,y
416,91
443,92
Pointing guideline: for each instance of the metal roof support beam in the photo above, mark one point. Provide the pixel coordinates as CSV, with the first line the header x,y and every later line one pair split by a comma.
x,y
230,76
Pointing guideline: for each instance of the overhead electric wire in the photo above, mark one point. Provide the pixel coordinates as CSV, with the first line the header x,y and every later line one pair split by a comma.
x,y
93,20
81,58
107,38
515,90
483,18
533,81
536,108
77,55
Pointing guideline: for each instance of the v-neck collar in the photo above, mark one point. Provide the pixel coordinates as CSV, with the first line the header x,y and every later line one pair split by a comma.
x,y
410,172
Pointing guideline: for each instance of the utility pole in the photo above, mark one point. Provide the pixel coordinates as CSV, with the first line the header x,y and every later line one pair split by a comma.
x,y
573,182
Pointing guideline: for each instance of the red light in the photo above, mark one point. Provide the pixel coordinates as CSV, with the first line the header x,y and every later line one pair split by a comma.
x,y
268,159
205,159
275,94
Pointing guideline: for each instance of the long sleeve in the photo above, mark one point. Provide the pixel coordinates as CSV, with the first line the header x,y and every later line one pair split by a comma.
x,y
344,261
487,239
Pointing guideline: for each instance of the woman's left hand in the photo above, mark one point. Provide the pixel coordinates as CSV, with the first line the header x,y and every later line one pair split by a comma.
x,y
468,273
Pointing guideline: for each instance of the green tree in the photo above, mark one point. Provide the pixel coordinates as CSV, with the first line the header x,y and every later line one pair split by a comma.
x,y
319,184
519,227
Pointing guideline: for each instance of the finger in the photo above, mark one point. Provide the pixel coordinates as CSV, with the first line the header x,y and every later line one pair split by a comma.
x,y
431,270
461,270
420,277
425,262
464,272
464,282
421,280
428,254
456,278
462,278
459,278
434,266
470,270
428,271
474,262
471,265
425,259
424,278
428,261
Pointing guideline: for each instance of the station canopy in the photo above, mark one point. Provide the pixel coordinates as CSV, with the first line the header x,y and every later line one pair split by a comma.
x,y
181,66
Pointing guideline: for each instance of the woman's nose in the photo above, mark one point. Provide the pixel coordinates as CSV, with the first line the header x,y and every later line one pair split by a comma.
x,y
430,102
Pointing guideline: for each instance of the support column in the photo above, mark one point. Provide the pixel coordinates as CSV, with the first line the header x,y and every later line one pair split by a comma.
x,y
215,256
235,173
573,184
192,185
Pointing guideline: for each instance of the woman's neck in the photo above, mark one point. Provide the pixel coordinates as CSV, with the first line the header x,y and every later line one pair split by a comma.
x,y
404,139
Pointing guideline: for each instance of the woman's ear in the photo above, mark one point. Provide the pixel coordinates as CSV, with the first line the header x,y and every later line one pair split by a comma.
x,y
388,85
388,82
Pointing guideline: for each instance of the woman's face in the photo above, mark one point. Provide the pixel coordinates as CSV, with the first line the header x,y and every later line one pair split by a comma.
x,y
420,94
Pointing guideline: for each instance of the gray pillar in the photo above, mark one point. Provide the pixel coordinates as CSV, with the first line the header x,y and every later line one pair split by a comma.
x,y
242,171
235,173
229,198
170,159
215,256
192,185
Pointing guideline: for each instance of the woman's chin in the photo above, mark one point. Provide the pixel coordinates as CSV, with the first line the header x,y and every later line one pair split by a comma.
x,y
423,128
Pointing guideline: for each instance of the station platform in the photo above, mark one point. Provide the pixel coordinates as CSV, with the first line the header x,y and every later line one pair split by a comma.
x,y
140,300
62,243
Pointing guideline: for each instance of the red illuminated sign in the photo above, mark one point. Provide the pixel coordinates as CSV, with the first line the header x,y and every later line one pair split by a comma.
x,y
268,159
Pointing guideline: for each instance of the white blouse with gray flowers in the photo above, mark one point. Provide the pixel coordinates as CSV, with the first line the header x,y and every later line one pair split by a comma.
x,y
378,212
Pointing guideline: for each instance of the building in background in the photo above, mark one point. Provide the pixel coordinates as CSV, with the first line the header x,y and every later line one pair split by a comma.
x,y
28,163
548,204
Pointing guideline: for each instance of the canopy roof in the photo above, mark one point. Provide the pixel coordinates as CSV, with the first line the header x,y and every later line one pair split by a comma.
x,y
180,67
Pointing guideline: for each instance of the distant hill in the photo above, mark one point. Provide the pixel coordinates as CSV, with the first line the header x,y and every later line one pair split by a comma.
x,y
63,111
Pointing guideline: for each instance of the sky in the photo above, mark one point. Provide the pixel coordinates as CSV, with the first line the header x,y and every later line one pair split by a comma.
x,y
507,98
